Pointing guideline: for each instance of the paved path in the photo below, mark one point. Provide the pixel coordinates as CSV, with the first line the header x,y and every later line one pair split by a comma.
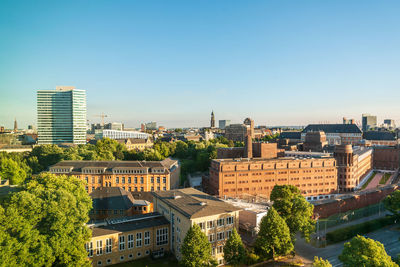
x,y
375,182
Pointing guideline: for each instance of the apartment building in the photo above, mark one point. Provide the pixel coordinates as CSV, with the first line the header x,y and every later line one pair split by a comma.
x,y
127,239
186,207
134,176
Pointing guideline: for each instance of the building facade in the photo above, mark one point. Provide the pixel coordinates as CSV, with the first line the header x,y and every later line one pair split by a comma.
x,y
386,158
115,134
128,239
368,122
61,115
223,124
185,207
212,121
353,165
138,144
237,177
134,176
336,134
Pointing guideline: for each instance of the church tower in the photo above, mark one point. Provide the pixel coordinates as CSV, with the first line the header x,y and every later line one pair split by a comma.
x,y
212,120
15,125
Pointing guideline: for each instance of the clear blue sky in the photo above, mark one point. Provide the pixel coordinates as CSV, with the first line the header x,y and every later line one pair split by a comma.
x,y
279,62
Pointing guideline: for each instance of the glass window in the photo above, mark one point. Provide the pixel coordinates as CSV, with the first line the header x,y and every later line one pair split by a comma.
x,y
117,180
123,180
141,180
99,247
89,248
164,180
121,242
108,245
130,241
162,236
146,238
138,240
129,180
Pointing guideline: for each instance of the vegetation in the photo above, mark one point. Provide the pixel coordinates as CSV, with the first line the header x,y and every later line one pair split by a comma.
x,y
234,251
43,224
343,234
319,262
12,171
294,209
385,178
274,237
392,203
196,250
369,180
361,251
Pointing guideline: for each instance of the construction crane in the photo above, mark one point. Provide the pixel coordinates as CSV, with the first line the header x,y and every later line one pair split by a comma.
x,y
102,116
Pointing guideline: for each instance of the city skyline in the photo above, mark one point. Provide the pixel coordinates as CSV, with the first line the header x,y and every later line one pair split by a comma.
x,y
279,63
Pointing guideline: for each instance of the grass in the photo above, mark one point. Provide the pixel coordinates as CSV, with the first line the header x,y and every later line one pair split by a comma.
x,y
169,261
369,180
385,178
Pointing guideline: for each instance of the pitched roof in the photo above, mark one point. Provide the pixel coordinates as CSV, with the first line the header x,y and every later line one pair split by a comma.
x,y
380,135
193,203
112,198
290,135
131,223
333,128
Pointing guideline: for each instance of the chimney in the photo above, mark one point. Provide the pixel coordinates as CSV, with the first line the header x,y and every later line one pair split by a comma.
x,y
248,146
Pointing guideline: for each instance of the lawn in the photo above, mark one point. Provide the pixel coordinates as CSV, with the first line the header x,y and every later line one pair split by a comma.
x,y
369,180
148,262
385,178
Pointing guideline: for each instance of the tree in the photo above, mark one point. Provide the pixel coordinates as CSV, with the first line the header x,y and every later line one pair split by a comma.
x,y
12,171
294,209
196,250
44,223
47,155
234,251
274,236
361,251
319,262
392,203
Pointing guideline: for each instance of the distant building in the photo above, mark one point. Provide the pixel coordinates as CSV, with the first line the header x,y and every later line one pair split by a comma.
x,y
151,125
223,124
348,121
130,238
315,141
119,126
236,132
114,134
212,122
336,134
138,144
368,122
15,126
61,115
380,138
389,123
186,207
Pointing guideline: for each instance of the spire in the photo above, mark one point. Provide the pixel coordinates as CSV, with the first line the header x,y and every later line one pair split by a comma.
x,y
15,125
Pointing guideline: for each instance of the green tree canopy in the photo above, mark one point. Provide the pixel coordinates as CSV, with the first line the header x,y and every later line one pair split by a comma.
x,y
234,251
44,223
361,251
12,171
319,262
392,203
294,209
47,155
274,236
196,250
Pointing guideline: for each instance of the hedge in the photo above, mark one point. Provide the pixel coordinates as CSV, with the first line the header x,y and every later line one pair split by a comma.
x,y
346,233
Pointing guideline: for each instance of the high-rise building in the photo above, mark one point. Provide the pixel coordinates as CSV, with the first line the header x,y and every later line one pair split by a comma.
x,y
212,124
61,115
389,123
223,124
368,122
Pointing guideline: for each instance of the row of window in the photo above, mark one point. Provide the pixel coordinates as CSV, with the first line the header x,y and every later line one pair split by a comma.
x,y
220,222
220,236
122,258
129,180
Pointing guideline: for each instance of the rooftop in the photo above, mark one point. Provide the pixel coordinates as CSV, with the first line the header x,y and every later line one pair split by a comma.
x,y
193,203
380,135
112,198
333,128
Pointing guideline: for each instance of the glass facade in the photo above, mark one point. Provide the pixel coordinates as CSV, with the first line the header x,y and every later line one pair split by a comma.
x,y
61,116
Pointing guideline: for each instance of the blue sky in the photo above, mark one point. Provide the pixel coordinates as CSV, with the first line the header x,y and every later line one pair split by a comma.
x,y
279,62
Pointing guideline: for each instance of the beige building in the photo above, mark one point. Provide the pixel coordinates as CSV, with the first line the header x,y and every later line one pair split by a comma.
x,y
138,144
128,239
186,207
133,176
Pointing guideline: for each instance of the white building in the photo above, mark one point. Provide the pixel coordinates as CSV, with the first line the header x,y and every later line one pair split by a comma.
x,y
115,134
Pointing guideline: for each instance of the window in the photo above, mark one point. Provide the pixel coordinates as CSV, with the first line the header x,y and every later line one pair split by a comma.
x,y
108,261
99,180
211,238
164,188
141,180
121,258
146,238
221,235
135,180
152,188
141,189
162,236
138,240
108,245
130,241
130,256
158,179
210,224
123,180
139,254
99,248
117,180
121,212
89,248
93,180
202,225
87,179
228,233
152,180
220,222
99,263
220,249
229,220
129,180
115,211
122,242
147,252
164,180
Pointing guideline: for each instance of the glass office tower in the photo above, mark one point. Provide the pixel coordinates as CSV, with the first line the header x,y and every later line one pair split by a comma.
x,y
61,115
